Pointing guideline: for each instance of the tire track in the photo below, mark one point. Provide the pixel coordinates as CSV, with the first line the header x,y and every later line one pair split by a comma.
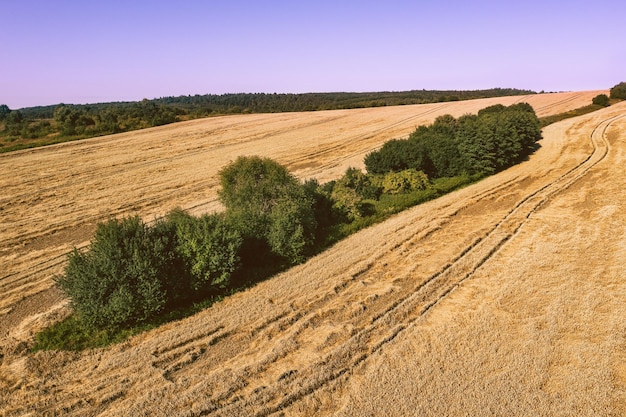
x,y
559,103
385,327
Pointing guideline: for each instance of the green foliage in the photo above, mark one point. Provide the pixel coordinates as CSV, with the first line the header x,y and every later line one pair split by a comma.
x,y
619,91
35,130
15,117
267,203
72,122
395,155
72,334
121,279
72,119
14,123
348,202
601,100
209,248
291,232
4,111
490,141
350,193
404,181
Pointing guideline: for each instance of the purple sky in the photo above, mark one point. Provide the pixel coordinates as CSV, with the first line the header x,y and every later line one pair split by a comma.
x,y
57,51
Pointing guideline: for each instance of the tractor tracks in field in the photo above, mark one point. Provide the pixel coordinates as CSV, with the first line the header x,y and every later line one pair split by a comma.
x,y
405,310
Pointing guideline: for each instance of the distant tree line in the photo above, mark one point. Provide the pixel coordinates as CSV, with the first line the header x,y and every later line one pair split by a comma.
x,y
78,121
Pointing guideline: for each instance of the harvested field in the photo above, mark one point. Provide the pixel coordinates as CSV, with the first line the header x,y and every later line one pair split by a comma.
x,y
506,297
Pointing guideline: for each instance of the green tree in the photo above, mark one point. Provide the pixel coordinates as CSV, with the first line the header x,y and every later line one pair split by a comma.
x,y
269,206
15,123
347,202
72,120
476,146
395,155
4,111
601,100
122,278
404,181
619,91
209,248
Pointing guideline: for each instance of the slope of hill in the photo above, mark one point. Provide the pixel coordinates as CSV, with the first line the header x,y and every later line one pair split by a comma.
x,y
492,300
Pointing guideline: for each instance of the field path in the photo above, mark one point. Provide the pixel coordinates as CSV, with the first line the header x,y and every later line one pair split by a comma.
x,y
490,300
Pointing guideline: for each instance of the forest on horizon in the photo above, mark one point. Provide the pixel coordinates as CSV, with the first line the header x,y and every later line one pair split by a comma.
x,y
44,125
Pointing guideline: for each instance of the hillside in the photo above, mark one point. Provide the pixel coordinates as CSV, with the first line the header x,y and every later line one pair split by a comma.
x,y
502,298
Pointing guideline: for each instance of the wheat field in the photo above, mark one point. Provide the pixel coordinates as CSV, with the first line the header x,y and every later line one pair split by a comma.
x,y
504,298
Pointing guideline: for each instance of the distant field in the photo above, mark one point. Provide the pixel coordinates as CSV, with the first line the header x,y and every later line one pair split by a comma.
x,y
495,299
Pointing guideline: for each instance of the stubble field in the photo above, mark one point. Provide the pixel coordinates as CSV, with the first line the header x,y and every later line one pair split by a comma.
x,y
506,297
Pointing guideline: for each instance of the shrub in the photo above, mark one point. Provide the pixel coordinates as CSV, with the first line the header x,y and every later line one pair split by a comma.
x,y
395,155
4,111
347,201
619,91
209,249
404,181
120,279
268,204
601,100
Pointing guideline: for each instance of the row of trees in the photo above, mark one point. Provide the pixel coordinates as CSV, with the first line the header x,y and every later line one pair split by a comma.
x,y
73,120
494,139
133,271
270,103
107,118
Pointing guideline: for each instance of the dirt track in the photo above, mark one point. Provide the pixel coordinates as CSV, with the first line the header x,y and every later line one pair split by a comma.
x,y
503,298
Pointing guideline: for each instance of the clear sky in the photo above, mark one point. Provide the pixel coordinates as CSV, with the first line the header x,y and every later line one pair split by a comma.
x,y
55,51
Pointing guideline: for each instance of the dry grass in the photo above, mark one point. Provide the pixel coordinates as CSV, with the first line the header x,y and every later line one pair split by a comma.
x,y
504,298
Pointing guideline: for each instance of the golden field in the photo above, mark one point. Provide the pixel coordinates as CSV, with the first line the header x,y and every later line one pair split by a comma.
x,y
507,297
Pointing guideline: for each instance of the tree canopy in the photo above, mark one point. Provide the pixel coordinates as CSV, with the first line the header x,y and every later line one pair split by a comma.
x,y
266,202
619,91
494,139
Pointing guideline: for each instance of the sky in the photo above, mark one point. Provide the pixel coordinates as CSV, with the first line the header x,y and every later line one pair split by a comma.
x,y
56,51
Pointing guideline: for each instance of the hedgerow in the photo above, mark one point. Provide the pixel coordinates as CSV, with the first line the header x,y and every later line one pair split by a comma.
x,y
133,272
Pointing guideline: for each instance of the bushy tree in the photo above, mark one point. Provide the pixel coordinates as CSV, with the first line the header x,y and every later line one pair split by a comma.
x,y
209,248
438,148
404,181
4,111
15,122
267,203
361,183
395,155
601,100
121,278
72,119
619,91
348,202
350,192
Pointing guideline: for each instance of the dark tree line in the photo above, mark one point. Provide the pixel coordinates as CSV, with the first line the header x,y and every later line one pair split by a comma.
x,y
106,118
270,103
